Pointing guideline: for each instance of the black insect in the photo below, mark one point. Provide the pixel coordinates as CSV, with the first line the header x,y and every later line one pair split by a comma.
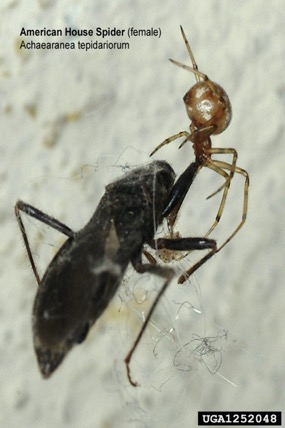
x,y
86,272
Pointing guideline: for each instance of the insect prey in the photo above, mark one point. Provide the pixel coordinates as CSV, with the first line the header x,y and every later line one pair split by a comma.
x,y
86,272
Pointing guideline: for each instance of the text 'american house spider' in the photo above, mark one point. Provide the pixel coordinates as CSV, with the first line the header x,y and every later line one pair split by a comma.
x,y
209,109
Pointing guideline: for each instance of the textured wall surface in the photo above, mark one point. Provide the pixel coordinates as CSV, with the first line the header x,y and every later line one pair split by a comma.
x,y
71,122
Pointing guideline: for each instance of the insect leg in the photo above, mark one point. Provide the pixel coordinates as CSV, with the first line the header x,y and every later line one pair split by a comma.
x,y
182,244
44,218
179,191
164,272
185,244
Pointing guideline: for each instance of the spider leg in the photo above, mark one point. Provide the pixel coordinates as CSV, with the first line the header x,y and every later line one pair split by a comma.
x,y
196,266
185,134
219,167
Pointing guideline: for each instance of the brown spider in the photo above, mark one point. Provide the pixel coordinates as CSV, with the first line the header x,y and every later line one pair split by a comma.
x,y
209,109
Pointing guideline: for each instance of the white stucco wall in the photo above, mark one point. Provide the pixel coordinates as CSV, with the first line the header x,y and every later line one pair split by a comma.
x,y
61,110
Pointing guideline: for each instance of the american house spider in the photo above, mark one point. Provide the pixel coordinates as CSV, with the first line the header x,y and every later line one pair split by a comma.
x,y
209,109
